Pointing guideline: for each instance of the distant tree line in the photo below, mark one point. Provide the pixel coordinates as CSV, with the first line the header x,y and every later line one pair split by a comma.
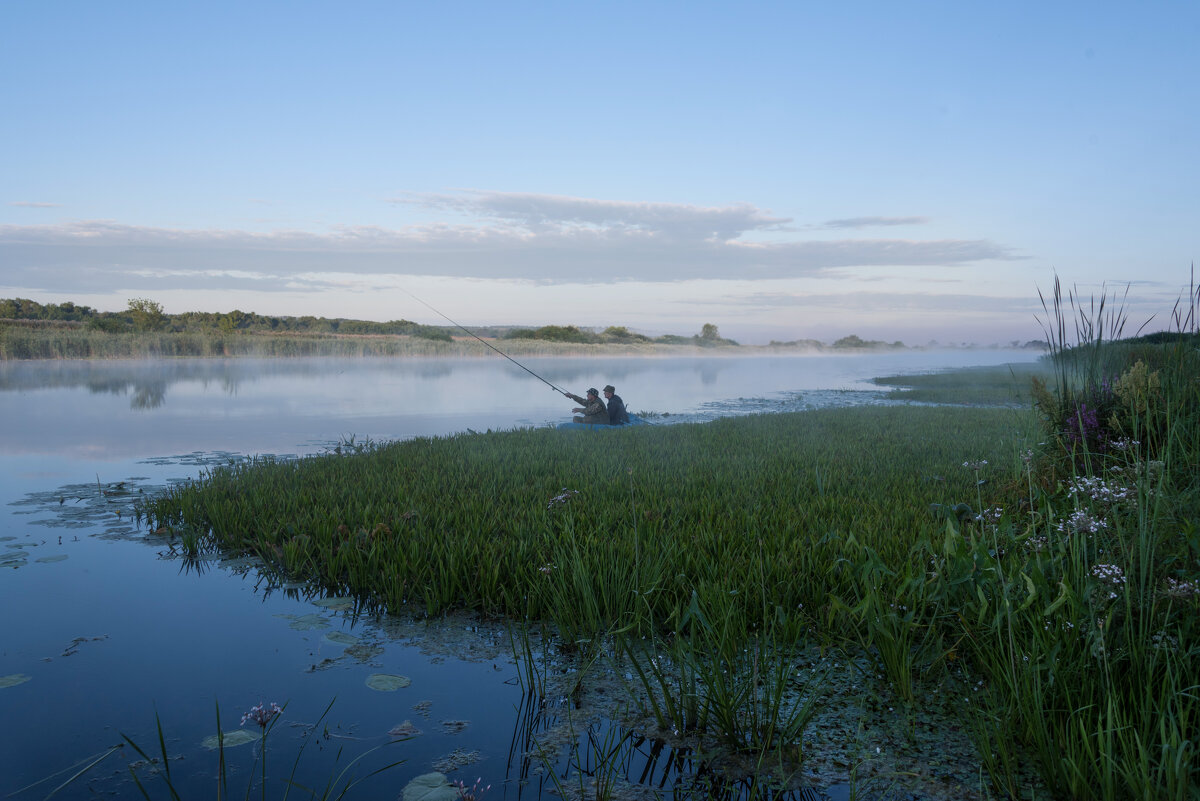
x,y
143,314
709,336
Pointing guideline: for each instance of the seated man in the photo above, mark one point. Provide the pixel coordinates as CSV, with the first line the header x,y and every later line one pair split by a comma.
x,y
617,416
593,411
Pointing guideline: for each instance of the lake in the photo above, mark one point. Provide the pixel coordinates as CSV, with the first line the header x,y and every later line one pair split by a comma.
x,y
105,625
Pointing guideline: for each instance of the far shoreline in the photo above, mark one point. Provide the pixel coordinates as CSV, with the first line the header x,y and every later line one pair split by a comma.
x,y
28,343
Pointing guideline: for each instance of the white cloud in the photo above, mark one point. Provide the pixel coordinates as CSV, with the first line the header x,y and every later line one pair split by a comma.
x,y
676,221
870,222
545,238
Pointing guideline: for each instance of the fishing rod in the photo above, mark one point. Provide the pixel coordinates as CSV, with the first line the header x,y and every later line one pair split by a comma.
x,y
484,341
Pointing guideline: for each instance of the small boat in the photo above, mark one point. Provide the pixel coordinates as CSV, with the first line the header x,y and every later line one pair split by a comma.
x,y
634,420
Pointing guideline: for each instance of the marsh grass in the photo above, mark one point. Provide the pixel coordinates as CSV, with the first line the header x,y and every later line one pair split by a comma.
x,y
18,342
1067,592
462,521
987,386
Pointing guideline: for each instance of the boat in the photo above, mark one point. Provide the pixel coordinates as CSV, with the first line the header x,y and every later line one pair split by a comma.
x,y
634,420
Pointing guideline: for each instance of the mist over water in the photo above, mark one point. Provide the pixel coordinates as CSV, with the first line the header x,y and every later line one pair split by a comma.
x,y
102,410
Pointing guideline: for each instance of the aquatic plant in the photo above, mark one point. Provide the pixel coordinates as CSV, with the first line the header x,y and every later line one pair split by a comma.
x,y
339,784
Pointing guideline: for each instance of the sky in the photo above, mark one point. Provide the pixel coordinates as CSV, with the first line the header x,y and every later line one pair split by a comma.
x,y
783,170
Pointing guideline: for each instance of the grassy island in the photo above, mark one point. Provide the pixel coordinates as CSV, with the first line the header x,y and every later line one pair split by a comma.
x,y
1040,561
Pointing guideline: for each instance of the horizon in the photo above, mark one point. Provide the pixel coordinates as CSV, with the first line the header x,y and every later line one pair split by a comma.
x,y
783,172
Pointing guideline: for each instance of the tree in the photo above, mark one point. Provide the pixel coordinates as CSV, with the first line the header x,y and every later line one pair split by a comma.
x,y
709,333
146,314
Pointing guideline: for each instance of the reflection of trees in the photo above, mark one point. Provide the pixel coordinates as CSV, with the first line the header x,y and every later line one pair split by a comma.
x,y
146,394
149,395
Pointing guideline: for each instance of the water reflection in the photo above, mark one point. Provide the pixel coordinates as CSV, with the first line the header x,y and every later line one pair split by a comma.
x,y
605,755
105,410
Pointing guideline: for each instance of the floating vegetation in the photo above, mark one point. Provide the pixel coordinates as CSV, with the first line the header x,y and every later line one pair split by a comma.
x,y
13,679
455,760
58,557
230,739
341,638
431,787
309,622
387,682
363,652
405,729
455,726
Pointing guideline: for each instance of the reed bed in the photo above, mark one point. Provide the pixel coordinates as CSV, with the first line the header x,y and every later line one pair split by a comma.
x,y
23,342
1047,556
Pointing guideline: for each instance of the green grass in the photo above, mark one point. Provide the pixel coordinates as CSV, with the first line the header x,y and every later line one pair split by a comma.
x,y
1004,385
462,522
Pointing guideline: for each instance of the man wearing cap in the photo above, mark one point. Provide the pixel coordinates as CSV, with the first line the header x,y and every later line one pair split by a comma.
x,y
617,416
593,411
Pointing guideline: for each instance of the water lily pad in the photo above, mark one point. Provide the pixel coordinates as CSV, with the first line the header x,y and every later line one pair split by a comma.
x,y
341,637
13,679
387,682
12,559
21,545
431,787
308,622
232,738
58,557
335,603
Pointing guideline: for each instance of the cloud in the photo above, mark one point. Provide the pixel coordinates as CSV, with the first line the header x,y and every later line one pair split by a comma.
x,y
34,204
892,301
871,222
544,238
676,221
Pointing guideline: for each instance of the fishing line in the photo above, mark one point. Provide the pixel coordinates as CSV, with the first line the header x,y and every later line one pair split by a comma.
x,y
481,339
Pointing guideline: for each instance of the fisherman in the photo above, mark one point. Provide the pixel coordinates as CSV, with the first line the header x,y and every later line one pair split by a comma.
x,y
593,410
617,416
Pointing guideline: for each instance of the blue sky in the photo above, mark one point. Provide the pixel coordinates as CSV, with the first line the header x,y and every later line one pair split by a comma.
x,y
907,171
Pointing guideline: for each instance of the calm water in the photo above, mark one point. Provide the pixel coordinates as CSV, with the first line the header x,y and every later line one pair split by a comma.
x,y
110,626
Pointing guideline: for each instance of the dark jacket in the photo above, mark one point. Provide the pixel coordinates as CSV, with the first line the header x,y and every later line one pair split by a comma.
x,y
593,410
617,416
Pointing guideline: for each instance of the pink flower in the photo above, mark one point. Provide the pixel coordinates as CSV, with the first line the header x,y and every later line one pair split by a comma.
x,y
261,715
